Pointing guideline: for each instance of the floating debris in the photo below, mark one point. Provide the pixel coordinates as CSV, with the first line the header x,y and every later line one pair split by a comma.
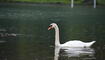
x,y
3,30
7,35
2,41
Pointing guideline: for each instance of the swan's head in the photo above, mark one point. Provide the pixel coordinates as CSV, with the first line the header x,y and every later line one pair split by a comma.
x,y
52,25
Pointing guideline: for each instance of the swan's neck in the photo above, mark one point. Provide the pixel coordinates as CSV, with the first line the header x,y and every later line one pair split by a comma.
x,y
57,43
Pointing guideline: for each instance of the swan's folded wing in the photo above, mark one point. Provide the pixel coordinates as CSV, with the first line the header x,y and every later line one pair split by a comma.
x,y
74,43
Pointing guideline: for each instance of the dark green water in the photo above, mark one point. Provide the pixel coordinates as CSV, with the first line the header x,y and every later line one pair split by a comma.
x,y
33,41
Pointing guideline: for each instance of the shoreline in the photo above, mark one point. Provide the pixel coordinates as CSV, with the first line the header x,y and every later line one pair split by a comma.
x,y
32,4
44,4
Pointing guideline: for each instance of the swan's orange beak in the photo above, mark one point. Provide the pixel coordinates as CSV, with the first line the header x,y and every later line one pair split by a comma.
x,y
50,27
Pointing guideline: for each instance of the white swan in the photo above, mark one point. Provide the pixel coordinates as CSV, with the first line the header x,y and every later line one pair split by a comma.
x,y
74,43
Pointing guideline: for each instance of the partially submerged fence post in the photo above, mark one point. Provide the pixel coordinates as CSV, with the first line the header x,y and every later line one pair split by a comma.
x,y
94,4
72,3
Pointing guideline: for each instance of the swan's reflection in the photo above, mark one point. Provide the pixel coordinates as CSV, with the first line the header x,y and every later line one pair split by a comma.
x,y
56,55
86,53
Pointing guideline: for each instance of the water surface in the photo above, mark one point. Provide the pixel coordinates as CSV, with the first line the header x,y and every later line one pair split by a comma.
x,y
34,42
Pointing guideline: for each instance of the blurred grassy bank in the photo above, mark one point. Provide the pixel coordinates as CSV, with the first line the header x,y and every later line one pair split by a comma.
x,y
100,2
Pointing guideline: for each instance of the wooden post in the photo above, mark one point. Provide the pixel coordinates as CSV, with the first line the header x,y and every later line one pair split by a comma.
x,y
72,3
94,4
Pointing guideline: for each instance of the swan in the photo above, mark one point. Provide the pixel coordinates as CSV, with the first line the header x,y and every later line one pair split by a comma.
x,y
73,43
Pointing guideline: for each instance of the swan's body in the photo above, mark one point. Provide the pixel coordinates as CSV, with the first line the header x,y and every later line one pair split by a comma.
x,y
77,43
74,43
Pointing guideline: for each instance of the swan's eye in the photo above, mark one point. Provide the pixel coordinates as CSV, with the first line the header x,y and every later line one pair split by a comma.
x,y
50,26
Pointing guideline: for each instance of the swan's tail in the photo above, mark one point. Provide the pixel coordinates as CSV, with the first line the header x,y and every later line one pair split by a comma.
x,y
90,43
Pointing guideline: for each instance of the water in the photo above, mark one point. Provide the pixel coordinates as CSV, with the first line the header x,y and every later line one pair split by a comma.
x,y
74,54
24,34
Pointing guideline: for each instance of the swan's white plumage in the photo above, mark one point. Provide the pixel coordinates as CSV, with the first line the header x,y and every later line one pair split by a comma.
x,y
77,43
74,43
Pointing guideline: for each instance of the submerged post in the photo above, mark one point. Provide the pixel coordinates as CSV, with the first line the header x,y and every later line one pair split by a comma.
x,y
72,3
94,3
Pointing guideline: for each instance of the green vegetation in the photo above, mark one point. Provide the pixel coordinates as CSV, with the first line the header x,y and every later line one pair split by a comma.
x,y
46,1
101,2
